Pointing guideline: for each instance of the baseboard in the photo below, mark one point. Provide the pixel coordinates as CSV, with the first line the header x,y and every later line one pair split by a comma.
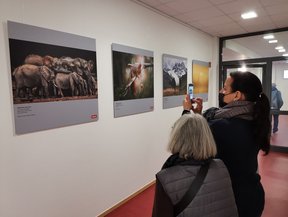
x,y
126,199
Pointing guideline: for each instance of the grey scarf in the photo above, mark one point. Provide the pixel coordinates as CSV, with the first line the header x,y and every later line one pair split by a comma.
x,y
237,109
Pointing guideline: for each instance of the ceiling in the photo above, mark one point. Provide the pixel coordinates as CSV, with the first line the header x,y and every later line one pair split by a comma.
x,y
222,17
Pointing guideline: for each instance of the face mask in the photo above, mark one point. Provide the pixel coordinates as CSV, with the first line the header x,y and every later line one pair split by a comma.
x,y
221,100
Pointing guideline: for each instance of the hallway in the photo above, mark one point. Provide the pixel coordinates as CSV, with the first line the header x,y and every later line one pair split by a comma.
x,y
274,172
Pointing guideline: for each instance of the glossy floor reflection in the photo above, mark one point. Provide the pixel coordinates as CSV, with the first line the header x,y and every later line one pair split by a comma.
x,y
274,172
280,138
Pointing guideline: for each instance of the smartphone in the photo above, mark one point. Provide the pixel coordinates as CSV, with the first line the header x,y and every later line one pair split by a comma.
x,y
190,91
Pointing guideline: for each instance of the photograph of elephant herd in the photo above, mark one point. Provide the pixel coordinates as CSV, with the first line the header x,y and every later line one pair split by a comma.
x,y
45,73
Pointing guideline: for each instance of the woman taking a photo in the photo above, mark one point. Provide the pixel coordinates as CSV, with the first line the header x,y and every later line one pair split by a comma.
x,y
241,128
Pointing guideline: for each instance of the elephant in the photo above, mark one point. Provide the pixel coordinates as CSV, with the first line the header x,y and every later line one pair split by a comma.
x,y
30,76
37,60
67,65
68,81
34,59
94,88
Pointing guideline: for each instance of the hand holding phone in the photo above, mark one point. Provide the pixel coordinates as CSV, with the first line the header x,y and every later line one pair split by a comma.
x,y
190,91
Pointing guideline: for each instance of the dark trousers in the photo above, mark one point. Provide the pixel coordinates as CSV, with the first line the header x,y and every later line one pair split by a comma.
x,y
250,200
275,122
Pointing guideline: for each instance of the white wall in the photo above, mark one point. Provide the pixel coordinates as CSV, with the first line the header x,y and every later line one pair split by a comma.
x,y
85,169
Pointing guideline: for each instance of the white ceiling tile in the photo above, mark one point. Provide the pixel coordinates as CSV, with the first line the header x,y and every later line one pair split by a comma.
x,y
225,29
281,24
237,16
216,2
265,23
276,9
272,2
280,18
165,1
239,6
257,22
200,14
260,27
229,32
222,20
184,6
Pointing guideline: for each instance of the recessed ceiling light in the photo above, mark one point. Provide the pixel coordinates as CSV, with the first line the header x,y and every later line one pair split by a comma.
x,y
273,41
281,50
279,47
285,54
242,69
249,15
268,36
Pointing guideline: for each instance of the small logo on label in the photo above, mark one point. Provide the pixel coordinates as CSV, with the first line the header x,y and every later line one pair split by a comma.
x,y
94,116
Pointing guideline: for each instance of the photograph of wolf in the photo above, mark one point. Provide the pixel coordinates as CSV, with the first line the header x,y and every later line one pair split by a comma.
x,y
174,75
45,73
132,76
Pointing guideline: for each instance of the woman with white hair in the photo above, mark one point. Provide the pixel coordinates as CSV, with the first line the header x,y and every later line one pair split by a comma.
x,y
193,148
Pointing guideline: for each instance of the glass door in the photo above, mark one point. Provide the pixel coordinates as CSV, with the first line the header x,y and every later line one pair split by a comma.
x,y
259,69
279,104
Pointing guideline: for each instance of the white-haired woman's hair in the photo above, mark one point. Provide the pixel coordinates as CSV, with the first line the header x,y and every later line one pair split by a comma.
x,y
192,137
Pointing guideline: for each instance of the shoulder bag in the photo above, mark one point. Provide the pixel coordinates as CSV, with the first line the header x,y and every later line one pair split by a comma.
x,y
194,188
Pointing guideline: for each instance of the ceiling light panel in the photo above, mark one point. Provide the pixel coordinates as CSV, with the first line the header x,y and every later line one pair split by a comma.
x,y
249,15
273,41
268,36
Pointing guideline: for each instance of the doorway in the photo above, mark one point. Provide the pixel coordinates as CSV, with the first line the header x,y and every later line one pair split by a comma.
x,y
272,75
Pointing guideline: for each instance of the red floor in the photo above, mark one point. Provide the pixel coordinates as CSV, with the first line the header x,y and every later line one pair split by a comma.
x,y
281,137
273,170
139,206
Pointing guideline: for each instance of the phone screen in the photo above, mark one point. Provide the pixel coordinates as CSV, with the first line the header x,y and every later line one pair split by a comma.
x,y
190,91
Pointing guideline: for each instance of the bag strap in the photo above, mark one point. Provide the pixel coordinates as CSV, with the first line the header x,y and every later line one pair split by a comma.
x,y
194,188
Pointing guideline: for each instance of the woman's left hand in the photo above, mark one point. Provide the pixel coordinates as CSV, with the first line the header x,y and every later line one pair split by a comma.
x,y
187,104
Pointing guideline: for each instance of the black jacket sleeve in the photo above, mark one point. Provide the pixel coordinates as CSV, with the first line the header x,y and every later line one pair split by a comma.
x,y
186,112
163,206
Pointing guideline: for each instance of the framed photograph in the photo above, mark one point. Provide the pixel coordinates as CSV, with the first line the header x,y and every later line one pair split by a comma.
x,y
133,80
200,79
54,78
174,71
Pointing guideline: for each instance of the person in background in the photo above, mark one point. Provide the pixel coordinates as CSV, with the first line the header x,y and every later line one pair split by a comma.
x,y
241,128
276,104
192,145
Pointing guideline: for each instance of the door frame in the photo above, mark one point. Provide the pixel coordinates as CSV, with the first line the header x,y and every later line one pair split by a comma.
x,y
266,77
